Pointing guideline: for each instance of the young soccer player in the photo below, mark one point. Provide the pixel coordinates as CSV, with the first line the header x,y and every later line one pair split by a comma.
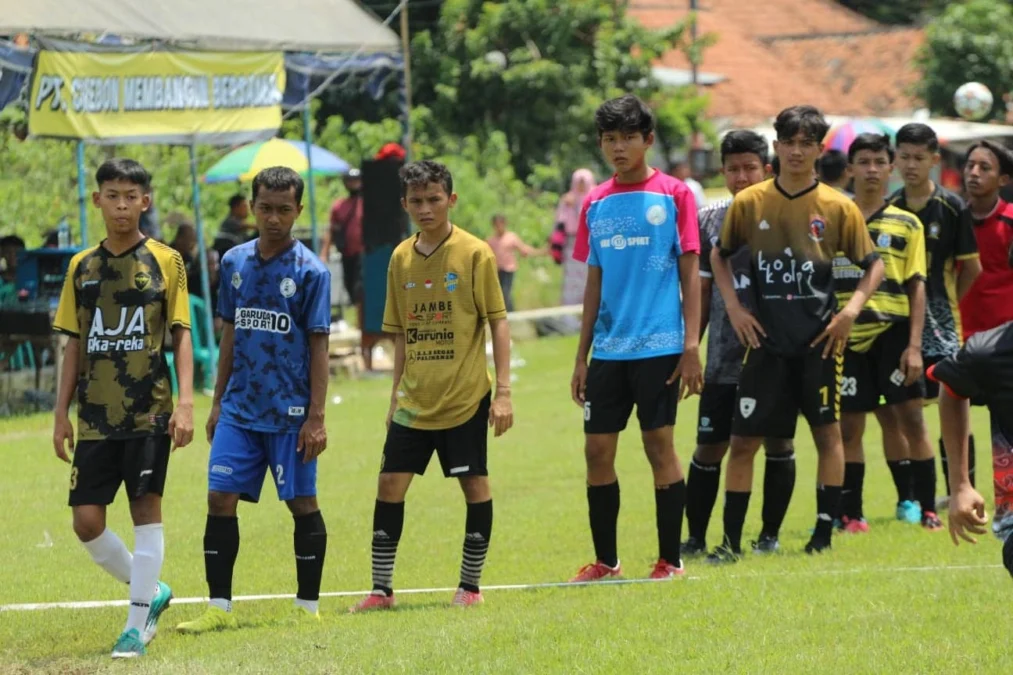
x,y
268,408
793,227
118,300
744,162
639,234
884,355
442,289
953,265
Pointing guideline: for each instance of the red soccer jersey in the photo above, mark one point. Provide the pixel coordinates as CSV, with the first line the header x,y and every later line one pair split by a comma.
x,y
989,302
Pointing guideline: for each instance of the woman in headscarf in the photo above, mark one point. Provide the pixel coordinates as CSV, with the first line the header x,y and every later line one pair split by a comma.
x,y
568,215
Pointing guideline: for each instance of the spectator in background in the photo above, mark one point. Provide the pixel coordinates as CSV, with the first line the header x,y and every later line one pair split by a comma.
x,y
832,170
684,172
10,247
185,242
345,234
568,217
234,230
150,225
505,244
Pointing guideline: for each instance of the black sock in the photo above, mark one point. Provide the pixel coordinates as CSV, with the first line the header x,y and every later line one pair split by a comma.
x,y
701,493
828,506
778,485
736,506
1007,554
970,462
945,463
310,541
221,547
851,494
603,510
388,522
477,532
900,469
669,502
923,471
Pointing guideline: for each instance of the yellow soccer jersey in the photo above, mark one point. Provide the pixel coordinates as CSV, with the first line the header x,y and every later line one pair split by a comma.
x,y
899,239
440,303
119,307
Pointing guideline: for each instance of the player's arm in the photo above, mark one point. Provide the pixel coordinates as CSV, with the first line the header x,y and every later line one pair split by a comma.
x,y
500,329
313,435
225,355
588,317
706,276
746,326
325,245
489,302
690,368
911,360
181,423
967,508
968,270
63,430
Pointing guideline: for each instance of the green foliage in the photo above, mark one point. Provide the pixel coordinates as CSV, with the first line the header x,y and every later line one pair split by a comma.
x,y
900,12
969,42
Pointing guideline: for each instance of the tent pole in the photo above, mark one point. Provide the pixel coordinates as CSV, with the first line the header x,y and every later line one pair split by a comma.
x,y
82,191
308,137
406,79
202,252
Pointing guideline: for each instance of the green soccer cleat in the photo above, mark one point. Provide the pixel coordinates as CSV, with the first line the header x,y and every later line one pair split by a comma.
x,y
160,603
300,616
214,618
129,646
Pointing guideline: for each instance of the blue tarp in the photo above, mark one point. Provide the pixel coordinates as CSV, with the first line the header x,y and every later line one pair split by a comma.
x,y
15,68
304,72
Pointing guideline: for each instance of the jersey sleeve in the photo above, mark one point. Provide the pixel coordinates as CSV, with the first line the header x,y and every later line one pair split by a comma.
x,y
226,291
957,374
733,230
687,222
392,315
917,267
489,301
582,244
855,240
177,296
707,240
317,301
66,321
965,246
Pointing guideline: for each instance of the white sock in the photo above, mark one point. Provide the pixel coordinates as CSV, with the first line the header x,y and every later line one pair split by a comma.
x,y
221,603
111,554
310,606
149,550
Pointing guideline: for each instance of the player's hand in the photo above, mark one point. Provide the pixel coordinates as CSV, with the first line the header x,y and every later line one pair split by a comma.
x,y
836,333
181,426
312,438
63,437
967,514
691,372
390,412
911,365
578,383
216,410
501,414
746,326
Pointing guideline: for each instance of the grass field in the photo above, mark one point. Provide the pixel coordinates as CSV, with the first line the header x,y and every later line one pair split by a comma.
x,y
898,600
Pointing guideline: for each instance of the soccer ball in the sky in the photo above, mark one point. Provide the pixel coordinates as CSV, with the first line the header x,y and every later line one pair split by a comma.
x,y
973,101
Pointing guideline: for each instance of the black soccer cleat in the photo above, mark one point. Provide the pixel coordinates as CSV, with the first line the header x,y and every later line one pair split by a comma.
x,y
724,555
693,547
766,544
1007,554
817,545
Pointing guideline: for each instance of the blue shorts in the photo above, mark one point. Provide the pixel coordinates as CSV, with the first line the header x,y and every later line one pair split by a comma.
x,y
240,458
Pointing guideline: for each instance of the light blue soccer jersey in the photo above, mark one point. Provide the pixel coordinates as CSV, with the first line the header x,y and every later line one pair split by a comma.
x,y
635,234
274,305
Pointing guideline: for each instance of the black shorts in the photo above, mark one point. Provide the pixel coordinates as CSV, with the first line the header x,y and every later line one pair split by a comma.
x,y
876,373
717,408
614,387
462,449
351,272
100,466
774,389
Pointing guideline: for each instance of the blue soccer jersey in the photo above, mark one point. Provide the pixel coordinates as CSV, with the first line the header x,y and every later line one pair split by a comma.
x,y
635,233
274,305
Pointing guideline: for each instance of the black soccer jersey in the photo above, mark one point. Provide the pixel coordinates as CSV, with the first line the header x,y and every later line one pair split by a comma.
x,y
983,370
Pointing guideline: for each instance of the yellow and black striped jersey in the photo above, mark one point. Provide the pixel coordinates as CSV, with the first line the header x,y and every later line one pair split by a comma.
x,y
119,307
899,239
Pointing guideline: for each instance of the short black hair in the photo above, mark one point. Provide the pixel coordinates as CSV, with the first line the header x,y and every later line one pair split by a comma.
x,y
1001,152
869,141
236,200
12,240
917,133
775,166
801,118
121,168
626,113
278,179
744,141
421,174
831,165
496,217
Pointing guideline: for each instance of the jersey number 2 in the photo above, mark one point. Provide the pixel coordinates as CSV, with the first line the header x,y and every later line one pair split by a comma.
x,y
279,474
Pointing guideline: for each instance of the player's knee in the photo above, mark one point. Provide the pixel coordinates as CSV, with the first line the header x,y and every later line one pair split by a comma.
x,y
778,447
912,421
222,504
599,451
146,510
660,452
851,430
709,454
392,487
302,506
476,489
88,524
828,439
743,449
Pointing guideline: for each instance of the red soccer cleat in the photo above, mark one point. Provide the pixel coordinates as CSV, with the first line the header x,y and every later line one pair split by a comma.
x,y
596,571
854,525
465,598
373,601
666,570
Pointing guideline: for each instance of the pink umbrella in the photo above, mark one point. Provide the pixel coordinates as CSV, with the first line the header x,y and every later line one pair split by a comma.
x,y
841,137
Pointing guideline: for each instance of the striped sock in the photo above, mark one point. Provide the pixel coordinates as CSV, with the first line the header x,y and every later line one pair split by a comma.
x,y
477,531
388,522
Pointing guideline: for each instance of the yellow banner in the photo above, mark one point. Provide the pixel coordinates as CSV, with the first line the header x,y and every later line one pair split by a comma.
x,y
157,97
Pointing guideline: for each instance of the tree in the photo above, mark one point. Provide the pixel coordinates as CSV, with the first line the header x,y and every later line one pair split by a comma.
x,y
901,12
969,42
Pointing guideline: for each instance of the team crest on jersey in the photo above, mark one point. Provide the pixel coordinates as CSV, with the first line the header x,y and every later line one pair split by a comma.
x,y
428,284
747,406
450,281
817,227
884,240
934,230
656,215
409,285
237,280
142,280
287,287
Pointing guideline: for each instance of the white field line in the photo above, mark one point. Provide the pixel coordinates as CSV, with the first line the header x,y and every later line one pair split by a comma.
x,y
96,604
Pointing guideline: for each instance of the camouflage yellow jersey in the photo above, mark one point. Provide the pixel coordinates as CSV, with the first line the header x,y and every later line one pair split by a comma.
x,y
119,308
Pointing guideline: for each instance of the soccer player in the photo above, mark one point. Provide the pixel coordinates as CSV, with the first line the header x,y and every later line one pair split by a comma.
x,y
118,300
793,226
744,162
268,408
953,265
640,237
884,354
442,289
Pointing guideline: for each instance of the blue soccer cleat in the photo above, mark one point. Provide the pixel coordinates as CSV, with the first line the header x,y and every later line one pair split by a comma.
x,y
160,603
129,646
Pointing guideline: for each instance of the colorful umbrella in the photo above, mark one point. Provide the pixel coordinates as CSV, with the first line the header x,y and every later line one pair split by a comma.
x,y
842,136
245,162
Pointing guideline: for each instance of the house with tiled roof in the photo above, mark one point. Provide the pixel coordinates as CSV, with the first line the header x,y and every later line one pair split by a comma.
x,y
771,54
